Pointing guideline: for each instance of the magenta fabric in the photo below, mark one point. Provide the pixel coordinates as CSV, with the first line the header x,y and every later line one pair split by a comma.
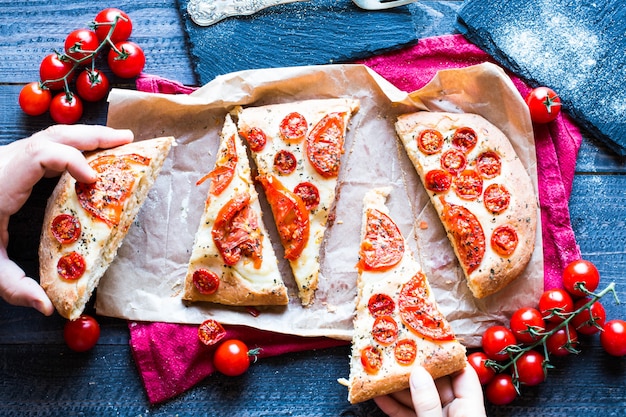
x,y
170,358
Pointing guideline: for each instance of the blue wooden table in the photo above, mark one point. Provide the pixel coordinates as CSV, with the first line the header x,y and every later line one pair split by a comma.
x,y
40,376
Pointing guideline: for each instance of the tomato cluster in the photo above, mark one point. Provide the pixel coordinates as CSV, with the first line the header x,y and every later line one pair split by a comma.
x,y
520,354
54,92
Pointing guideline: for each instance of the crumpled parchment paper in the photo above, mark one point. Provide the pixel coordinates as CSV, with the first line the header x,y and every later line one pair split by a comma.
x,y
145,281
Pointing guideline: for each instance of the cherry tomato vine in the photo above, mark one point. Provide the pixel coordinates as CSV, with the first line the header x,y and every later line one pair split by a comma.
x,y
110,30
520,354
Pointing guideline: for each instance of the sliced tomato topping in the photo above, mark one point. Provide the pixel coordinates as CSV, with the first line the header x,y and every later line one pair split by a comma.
x,y
488,164
383,245
438,180
309,194
210,332
293,127
290,214
430,141
405,352
496,198
256,138
71,266
324,145
105,198
468,235
224,170
205,281
419,313
453,161
468,185
236,231
381,305
65,228
464,138
385,330
504,240
285,162
371,359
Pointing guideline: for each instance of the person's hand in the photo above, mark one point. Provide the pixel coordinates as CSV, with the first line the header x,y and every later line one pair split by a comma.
x,y
22,164
456,395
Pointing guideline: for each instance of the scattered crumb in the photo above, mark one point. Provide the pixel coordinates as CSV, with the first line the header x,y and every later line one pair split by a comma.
x,y
423,225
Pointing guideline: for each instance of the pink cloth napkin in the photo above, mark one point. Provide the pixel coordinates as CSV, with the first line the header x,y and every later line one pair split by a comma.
x,y
170,358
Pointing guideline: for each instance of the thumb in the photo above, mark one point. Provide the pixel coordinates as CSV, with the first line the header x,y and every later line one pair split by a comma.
x,y
424,394
17,289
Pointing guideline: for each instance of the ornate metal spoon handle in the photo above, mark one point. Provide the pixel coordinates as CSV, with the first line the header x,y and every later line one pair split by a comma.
x,y
208,12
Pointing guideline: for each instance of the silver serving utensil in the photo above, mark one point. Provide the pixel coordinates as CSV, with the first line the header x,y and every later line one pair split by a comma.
x,y
208,12
380,4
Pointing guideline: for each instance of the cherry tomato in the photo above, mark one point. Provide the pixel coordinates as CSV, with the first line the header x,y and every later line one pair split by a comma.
x,y
105,19
583,322
126,59
563,342
383,245
526,323
495,340
501,390
544,105
530,368
478,360
555,304
232,358
580,272
81,44
81,334
210,332
92,85
34,99
613,337
53,69
66,108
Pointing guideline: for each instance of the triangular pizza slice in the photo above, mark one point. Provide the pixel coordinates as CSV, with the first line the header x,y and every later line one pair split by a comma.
x,y
84,224
297,148
233,261
397,322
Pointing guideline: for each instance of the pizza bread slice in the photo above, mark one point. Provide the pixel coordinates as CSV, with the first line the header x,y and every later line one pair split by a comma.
x,y
297,148
85,224
397,323
481,191
233,261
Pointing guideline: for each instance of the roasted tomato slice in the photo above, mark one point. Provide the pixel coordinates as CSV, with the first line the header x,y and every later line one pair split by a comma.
x,y
419,313
496,198
504,240
488,164
437,180
65,228
383,245
293,127
453,161
236,231
105,198
256,138
309,194
210,332
381,305
285,162
405,352
467,233
290,214
465,138
371,359
468,185
224,170
430,141
385,330
324,145
206,282
71,266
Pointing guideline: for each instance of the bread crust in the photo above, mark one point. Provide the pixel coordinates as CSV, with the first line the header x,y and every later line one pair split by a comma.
x,y
494,272
241,284
98,242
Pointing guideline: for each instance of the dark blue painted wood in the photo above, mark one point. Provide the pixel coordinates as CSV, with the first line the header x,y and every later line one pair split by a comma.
x,y
40,376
